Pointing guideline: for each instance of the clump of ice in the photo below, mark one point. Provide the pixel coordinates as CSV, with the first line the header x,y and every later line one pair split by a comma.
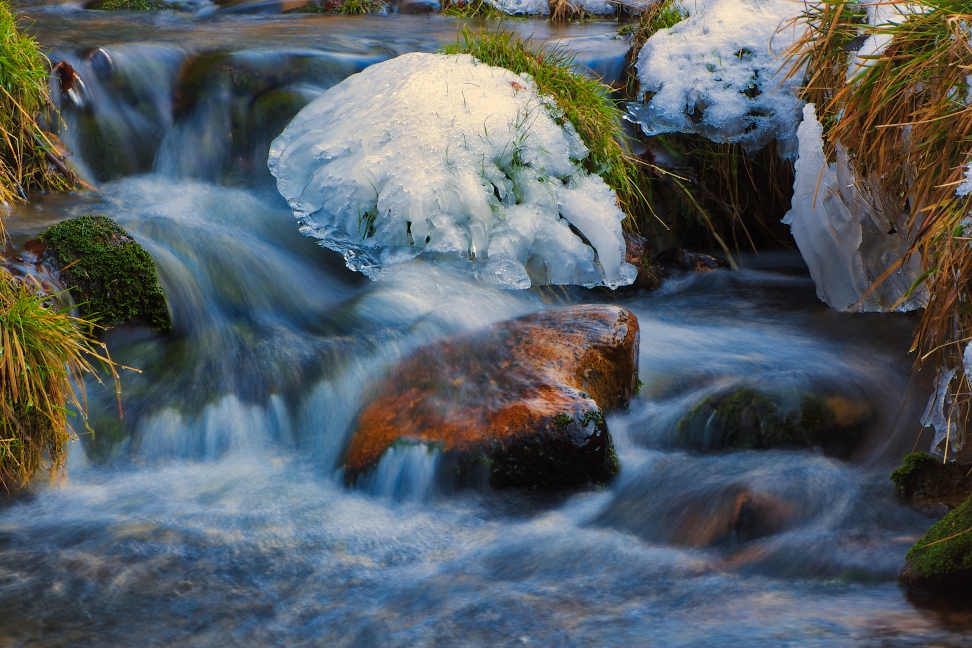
x,y
714,74
848,236
445,156
965,188
940,415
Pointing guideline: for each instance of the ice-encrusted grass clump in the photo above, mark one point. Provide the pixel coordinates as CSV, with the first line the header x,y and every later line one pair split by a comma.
x,y
713,74
446,156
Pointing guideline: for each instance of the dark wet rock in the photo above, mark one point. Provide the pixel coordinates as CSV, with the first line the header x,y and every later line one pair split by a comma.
x,y
692,261
748,419
523,398
923,476
941,562
111,277
638,255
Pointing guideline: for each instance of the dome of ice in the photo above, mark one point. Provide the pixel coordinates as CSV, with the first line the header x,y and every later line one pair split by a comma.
x,y
714,74
448,157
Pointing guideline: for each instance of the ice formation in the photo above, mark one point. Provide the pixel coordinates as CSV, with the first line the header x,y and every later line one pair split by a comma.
x,y
448,157
965,188
938,416
848,236
714,74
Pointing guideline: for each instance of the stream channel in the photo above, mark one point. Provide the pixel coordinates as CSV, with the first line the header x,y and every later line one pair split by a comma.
x,y
214,513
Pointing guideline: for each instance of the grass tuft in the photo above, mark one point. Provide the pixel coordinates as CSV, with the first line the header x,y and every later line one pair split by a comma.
x,y
44,356
23,96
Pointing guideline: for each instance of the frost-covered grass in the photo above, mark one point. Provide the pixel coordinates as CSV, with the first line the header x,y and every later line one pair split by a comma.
x,y
899,107
44,355
585,103
23,96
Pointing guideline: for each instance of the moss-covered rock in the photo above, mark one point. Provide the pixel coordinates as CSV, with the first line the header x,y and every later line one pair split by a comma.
x,y
749,419
941,562
922,475
111,277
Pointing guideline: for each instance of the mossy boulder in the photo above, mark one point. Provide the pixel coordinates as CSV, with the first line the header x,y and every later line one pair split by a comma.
x,y
923,476
941,562
519,404
110,276
749,419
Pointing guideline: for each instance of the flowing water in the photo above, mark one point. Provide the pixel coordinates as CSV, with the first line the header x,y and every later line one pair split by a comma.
x,y
214,512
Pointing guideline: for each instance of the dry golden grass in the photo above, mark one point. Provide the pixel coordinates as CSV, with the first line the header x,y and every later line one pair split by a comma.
x,y
23,96
45,354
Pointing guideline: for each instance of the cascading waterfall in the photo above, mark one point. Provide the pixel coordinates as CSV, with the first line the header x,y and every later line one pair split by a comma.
x,y
215,512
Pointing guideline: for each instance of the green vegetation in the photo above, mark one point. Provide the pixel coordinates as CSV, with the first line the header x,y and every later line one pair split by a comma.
x,y
904,121
584,102
749,419
44,356
945,549
345,7
134,5
110,276
922,475
23,96
471,8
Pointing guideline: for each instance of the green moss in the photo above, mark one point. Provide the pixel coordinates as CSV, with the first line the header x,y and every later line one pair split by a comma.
x,y
922,475
561,421
110,276
947,546
134,5
750,419
910,466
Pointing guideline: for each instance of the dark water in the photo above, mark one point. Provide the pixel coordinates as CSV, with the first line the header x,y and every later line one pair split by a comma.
x,y
214,514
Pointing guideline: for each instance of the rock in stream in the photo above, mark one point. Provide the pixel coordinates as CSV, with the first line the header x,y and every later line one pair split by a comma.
x,y
523,400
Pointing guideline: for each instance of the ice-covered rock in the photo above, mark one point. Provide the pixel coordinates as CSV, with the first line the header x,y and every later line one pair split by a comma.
x,y
446,156
716,74
848,236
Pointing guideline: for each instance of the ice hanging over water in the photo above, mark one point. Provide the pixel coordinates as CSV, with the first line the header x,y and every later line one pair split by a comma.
x,y
847,234
445,156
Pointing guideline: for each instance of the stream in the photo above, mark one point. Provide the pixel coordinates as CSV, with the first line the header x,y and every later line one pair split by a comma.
x,y
214,513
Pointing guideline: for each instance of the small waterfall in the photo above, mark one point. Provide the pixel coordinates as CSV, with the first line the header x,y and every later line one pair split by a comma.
x,y
406,473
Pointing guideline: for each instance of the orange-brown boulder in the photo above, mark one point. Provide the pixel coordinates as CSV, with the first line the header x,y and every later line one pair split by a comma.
x,y
521,401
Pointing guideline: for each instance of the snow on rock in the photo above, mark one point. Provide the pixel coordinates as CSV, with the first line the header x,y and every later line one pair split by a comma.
x,y
448,157
714,74
844,235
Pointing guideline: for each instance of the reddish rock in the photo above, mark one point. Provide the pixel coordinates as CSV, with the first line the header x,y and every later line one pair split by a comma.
x,y
524,398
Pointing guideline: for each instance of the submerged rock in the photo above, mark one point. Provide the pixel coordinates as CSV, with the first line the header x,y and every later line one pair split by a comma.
x,y
751,419
941,562
693,261
110,276
524,399
923,476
